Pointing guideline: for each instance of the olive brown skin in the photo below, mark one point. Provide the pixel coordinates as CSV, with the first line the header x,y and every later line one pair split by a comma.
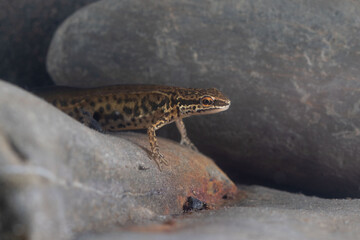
x,y
129,107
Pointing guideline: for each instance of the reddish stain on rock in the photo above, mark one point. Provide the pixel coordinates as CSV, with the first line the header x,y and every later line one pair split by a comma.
x,y
189,175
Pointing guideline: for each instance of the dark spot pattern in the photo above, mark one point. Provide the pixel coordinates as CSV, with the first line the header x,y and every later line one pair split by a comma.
x,y
201,110
63,103
163,102
136,111
101,110
116,116
185,102
108,107
127,110
145,109
173,102
119,100
127,100
107,118
97,116
121,125
153,105
92,104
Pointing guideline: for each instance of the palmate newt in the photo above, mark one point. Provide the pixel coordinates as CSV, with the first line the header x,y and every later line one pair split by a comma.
x,y
129,107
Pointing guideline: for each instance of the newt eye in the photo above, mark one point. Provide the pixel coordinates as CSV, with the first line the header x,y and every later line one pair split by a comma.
x,y
207,101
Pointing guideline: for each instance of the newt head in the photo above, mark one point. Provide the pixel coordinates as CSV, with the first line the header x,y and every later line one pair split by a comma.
x,y
202,101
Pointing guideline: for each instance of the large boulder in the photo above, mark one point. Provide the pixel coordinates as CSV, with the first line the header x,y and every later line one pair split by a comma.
x,y
291,70
59,178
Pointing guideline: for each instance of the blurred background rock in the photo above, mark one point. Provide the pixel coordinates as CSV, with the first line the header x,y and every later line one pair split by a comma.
x,y
26,29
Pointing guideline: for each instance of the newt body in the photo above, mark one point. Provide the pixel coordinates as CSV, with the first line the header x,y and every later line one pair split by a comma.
x,y
129,107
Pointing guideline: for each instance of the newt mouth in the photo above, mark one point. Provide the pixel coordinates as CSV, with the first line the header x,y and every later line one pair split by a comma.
x,y
211,111
221,109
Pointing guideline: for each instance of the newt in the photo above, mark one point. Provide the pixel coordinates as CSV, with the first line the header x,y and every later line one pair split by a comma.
x,y
130,107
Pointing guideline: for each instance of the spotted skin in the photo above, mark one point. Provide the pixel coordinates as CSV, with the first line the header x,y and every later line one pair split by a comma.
x,y
130,107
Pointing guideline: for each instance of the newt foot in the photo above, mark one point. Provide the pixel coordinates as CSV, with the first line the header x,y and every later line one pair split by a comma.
x,y
188,144
160,160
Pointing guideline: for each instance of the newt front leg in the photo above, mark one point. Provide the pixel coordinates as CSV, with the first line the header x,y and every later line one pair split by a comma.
x,y
155,152
184,138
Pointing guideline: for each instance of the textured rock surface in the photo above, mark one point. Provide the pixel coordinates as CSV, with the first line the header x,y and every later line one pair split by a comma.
x,y
26,28
265,214
290,68
59,178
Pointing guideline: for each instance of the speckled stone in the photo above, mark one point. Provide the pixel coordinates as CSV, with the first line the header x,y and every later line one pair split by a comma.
x,y
290,68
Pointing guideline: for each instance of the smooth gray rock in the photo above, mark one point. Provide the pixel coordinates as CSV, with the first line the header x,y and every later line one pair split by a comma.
x,y
59,178
290,68
265,215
